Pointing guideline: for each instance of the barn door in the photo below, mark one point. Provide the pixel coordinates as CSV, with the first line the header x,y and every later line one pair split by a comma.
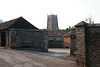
x,y
3,38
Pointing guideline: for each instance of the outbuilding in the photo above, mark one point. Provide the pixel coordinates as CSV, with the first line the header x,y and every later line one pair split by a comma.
x,y
19,33
67,40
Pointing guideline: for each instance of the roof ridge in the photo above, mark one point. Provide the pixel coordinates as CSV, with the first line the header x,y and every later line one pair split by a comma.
x,y
67,34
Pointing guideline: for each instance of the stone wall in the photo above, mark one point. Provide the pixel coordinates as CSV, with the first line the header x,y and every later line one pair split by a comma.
x,y
80,47
73,42
37,39
87,50
93,46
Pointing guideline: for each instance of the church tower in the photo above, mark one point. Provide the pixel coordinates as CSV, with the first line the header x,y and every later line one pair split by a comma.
x,y
52,22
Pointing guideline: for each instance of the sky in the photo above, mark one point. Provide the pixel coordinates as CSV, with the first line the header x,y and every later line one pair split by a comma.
x,y
69,12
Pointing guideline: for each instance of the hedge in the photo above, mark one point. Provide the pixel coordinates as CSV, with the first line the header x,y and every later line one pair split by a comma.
x,y
54,41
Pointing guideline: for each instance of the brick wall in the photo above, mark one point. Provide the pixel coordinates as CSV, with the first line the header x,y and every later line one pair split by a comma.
x,y
37,39
80,47
67,42
73,42
93,46
87,50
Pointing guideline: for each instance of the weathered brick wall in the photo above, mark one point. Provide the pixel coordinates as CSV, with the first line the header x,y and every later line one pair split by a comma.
x,y
67,42
87,50
93,46
80,47
36,39
73,42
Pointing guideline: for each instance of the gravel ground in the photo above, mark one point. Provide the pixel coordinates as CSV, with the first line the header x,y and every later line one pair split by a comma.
x,y
27,58
59,50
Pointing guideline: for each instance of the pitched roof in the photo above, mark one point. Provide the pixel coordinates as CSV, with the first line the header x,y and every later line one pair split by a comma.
x,y
80,24
19,23
6,24
67,34
53,33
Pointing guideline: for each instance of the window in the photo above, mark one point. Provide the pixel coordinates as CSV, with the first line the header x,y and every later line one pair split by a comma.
x,y
73,37
58,33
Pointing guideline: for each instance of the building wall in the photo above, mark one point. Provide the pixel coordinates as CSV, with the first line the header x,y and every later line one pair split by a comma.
x,y
80,54
37,39
55,38
73,42
67,42
93,46
87,50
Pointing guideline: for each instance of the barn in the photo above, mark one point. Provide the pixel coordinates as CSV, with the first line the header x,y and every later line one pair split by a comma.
x,y
19,33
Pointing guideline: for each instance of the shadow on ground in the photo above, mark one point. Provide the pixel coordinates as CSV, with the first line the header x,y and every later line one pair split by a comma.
x,y
62,53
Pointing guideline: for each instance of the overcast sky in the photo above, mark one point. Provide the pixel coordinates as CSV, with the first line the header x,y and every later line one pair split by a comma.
x,y
69,12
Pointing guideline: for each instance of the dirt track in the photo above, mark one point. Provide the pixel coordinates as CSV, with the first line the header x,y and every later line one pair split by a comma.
x,y
18,58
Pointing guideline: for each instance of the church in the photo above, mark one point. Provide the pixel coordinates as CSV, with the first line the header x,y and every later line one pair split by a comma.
x,y
52,22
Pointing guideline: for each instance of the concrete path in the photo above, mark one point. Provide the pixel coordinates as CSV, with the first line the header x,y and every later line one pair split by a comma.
x,y
26,58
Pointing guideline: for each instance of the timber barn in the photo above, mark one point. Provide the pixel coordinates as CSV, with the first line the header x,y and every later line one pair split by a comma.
x,y
19,33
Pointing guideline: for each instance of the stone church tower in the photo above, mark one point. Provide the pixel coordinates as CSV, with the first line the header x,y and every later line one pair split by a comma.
x,y
52,22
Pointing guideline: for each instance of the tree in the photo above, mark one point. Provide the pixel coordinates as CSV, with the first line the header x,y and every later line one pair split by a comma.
x,y
68,28
89,20
57,29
